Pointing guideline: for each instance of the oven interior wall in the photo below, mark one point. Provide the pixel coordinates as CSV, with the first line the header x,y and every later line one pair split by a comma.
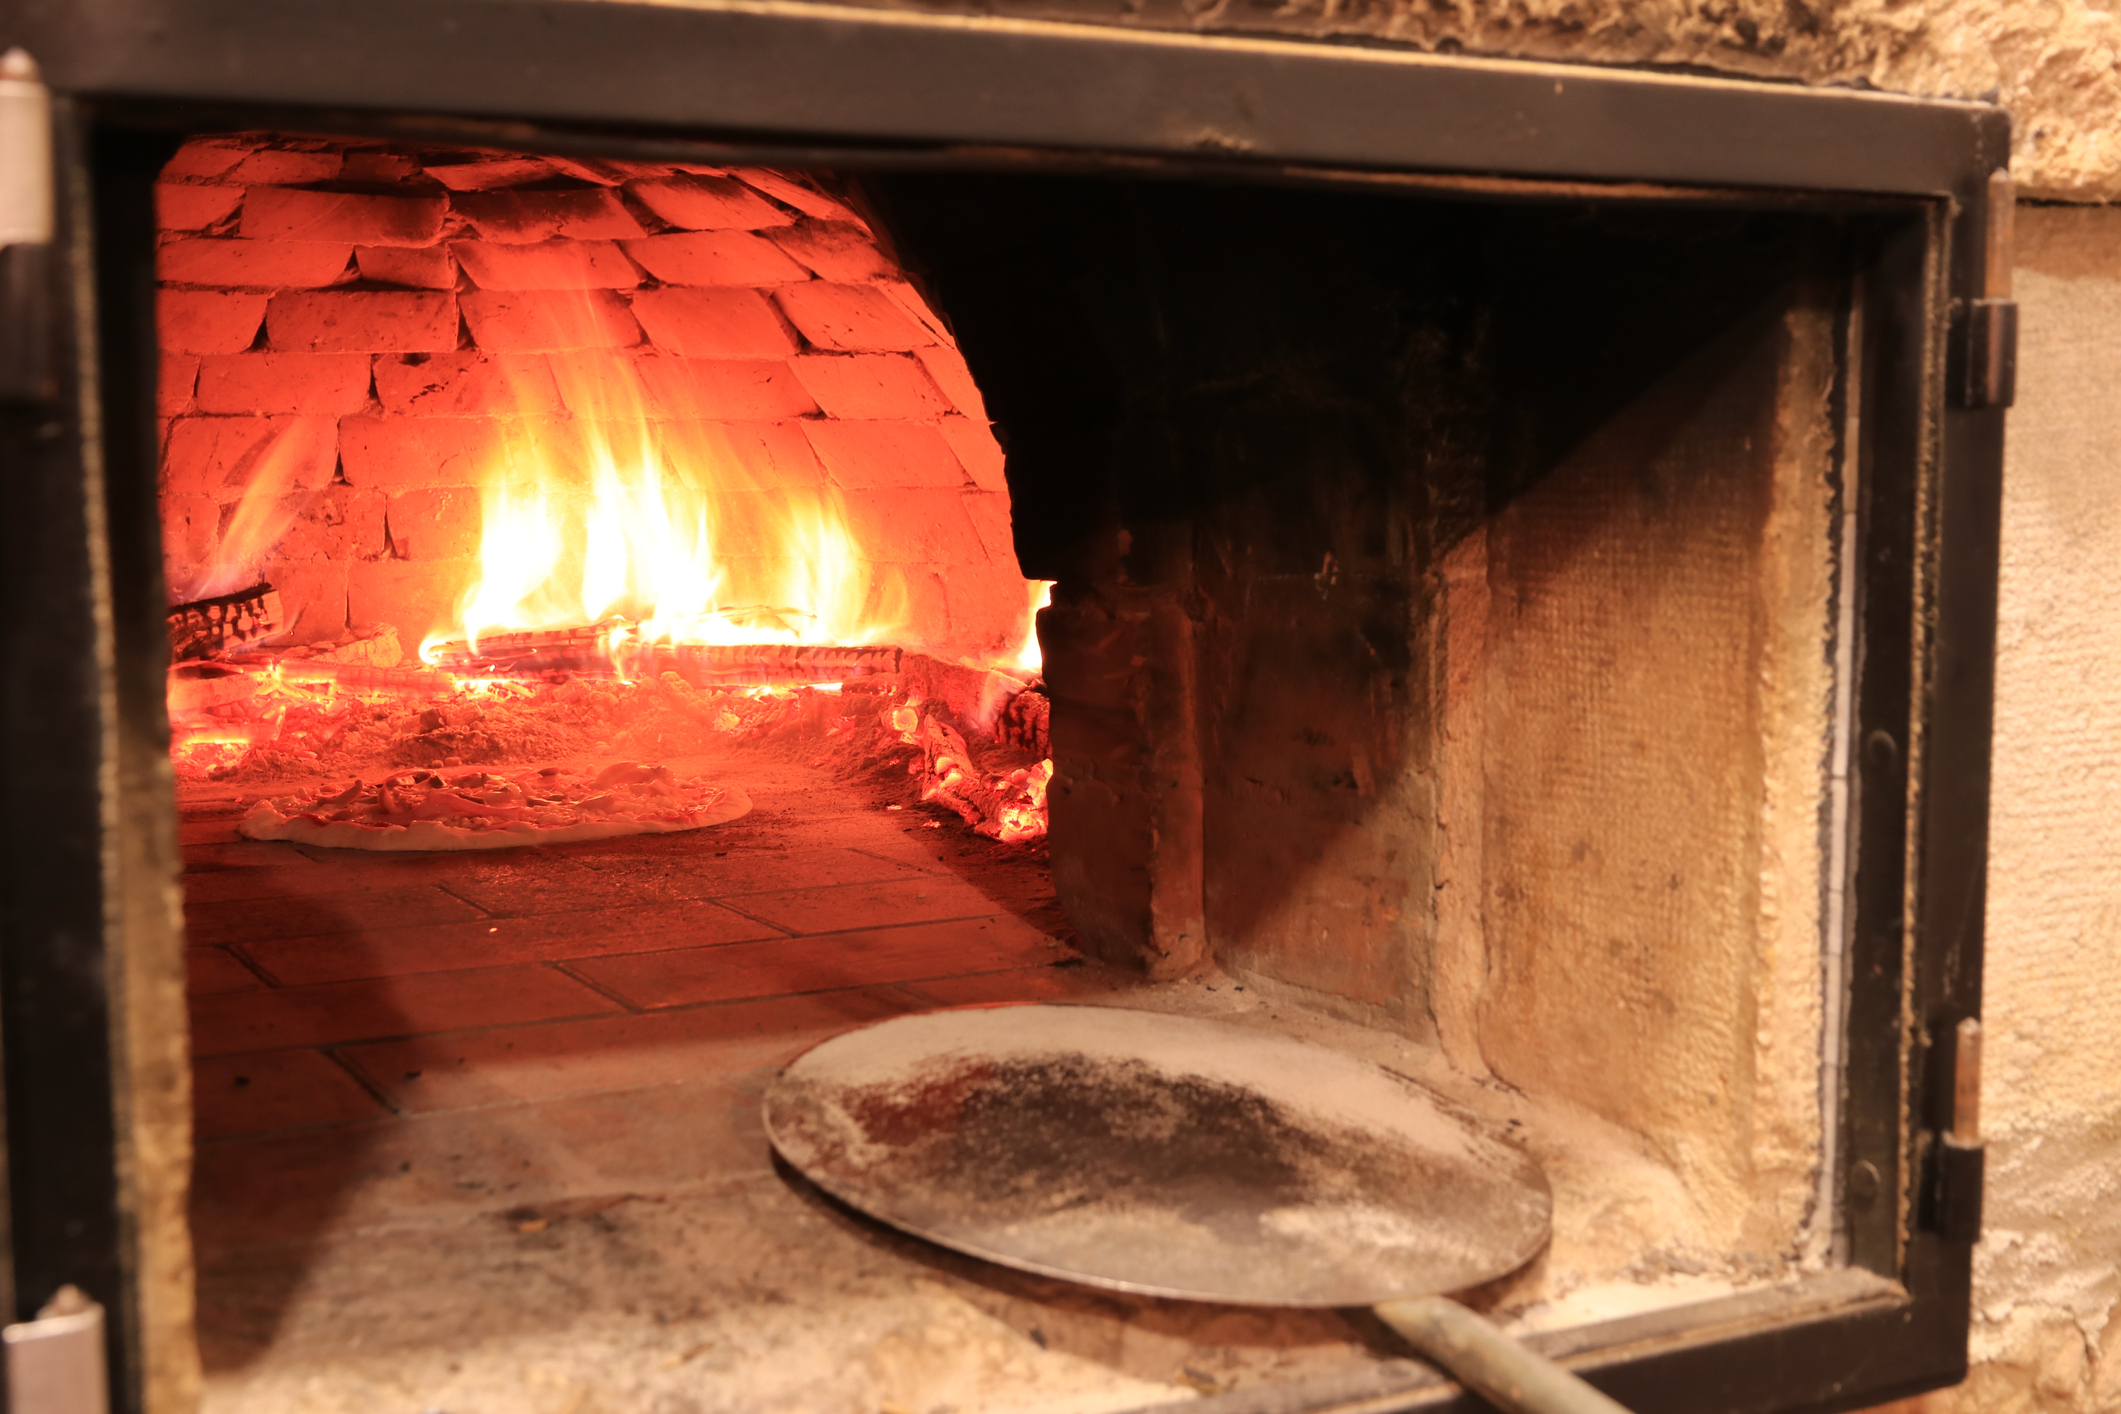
x,y
1443,621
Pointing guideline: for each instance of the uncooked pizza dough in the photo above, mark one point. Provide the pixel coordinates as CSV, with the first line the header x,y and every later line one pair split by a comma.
x,y
490,810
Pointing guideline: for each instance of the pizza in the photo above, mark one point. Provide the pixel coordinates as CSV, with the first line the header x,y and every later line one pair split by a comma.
x,y
424,809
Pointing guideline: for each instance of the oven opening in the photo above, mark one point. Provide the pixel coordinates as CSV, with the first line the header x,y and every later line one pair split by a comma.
x,y
632,620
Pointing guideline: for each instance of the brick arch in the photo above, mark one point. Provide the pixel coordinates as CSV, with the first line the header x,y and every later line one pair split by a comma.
x,y
372,327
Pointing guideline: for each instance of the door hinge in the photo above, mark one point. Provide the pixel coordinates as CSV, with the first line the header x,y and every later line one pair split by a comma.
x,y
1956,1175
1985,334
56,1363
27,210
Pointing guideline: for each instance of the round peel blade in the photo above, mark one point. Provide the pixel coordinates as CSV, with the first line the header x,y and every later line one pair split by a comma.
x,y
1167,1155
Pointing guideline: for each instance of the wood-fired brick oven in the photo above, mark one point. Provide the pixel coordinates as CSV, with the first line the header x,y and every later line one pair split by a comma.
x,y
1522,594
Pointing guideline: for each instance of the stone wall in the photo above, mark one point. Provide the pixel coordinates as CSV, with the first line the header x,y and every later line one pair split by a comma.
x,y
368,334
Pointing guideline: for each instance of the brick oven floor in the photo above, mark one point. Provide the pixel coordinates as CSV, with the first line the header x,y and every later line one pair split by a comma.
x,y
478,1132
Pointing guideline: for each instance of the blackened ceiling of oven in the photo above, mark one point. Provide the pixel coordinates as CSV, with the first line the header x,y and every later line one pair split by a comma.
x,y
1306,363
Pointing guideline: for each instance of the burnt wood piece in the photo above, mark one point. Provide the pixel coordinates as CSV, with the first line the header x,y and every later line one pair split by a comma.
x,y
588,650
207,627
1024,722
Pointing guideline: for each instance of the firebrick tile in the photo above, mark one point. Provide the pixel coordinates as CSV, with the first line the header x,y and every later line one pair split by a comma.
x,y
871,386
315,915
629,878
466,383
417,597
866,455
731,390
274,165
523,217
801,965
542,321
546,265
258,1094
398,453
753,454
721,322
207,321
835,250
334,1013
283,382
708,204
860,906
488,174
176,375
376,948
851,318
278,213
181,206
435,523
203,159
415,267
977,452
217,260
714,258
561,1058
218,456
947,367
362,321
790,192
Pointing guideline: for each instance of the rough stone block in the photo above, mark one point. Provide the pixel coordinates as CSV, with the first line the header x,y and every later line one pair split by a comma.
x,y
283,382
863,455
270,264
418,596
405,453
977,452
221,457
715,258
707,204
183,207
489,174
546,265
790,192
207,158
835,250
465,383
525,217
312,595
727,322
362,321
871,386
540,321
415,267
277,213
851,318
341,523
191,530
175,377
732,390
436,523
729,455
207,321
922,525
280,167
948,368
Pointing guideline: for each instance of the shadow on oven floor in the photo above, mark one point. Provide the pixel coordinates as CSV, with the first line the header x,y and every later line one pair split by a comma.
x,y
479,1132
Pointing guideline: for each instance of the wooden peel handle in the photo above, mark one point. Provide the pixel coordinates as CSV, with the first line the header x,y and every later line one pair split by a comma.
x,y
1483,1359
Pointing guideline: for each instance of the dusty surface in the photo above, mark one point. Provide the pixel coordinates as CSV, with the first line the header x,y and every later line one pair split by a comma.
x,y
2047,1275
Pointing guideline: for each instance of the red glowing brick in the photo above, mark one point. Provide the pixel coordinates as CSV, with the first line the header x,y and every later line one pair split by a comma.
x,y
758,454
489,174
885,454
919,525
219,456
977,451
539,321
435,523
790,192
466,382
179,207
175,377
524,217
851,318
546,265
714,322
835,250
207,321
599,383
947,367
415,267
419,597
191,530
283,382
276,167
312,594
737,390
714,258
206,158
271,264
375,166
276,213
362,321
871,386
708,204
341,523
404,453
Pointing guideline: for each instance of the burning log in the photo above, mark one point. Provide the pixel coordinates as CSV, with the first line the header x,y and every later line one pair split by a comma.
x,y
603,648
208,627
